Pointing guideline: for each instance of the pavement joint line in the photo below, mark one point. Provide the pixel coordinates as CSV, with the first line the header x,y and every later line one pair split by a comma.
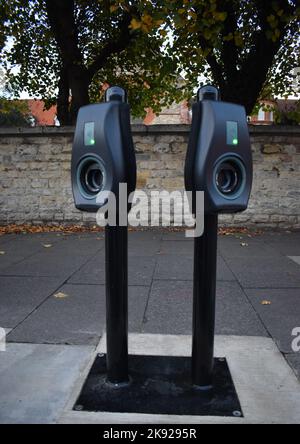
x,y
55,344
49,296
286,355
191,280
144,318
83,284
21,260
270,288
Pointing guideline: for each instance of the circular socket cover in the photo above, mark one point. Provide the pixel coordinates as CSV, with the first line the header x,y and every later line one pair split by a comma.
x,y
229,177
90,177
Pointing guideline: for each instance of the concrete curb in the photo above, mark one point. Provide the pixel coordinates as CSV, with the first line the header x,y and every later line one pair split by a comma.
x,y
268,390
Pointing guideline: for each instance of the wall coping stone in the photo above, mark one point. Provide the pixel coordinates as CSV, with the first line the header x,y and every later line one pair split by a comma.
x,y
272,130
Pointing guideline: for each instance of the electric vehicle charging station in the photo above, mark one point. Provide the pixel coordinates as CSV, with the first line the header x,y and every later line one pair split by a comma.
x,y
103,157
218,162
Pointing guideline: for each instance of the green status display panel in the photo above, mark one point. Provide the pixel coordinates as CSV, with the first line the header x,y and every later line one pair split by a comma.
x,y
232,135
89,134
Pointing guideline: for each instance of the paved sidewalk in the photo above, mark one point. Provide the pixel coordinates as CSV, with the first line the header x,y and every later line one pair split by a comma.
x,y
52,288
36,268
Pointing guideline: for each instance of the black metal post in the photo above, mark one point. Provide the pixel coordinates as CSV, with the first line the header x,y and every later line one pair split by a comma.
x,y
205,266
116,258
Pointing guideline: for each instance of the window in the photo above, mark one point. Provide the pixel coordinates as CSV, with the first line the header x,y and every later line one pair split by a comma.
x,y
261,114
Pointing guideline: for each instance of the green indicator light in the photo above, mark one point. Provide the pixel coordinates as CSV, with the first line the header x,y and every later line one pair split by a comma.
x,y
232,133
89,134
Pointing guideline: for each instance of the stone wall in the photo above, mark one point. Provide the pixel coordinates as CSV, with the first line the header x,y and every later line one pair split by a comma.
x,y
35,173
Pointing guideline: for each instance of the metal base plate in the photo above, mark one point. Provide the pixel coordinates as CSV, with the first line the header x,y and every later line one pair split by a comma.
x,y
159,385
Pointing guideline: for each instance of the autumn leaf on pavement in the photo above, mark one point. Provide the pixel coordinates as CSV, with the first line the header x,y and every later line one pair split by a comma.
x,y
47,245
266,303
2,253
61,295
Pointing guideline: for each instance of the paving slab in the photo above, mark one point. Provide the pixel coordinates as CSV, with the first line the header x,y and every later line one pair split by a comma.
x,y
77,316
265,272
232,247
60,259
144,235
36,380
267,387
137,248
17,250
282,314
174,267
20,296
180,267
177,248
177,236
4,238
140,270
79,246
234,313
169,310
45,265
287,244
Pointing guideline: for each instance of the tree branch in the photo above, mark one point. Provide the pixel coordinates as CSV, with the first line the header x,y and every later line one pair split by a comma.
x,y
229,51
63,112
62,21
115,46
212,61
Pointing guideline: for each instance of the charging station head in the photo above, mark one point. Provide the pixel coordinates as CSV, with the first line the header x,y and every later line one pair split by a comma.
x,y
115,93
208,92
219,158
103,154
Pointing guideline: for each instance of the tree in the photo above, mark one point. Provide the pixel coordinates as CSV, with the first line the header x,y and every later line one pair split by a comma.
x,y
3,18
244,45
79,45
14,113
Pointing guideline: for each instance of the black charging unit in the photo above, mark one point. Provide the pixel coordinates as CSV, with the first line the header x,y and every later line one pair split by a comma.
x,y
103,157
219,163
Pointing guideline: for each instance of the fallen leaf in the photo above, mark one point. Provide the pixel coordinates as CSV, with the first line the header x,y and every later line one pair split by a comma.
x,y
61,295
2,253
47,245
266,303
244,244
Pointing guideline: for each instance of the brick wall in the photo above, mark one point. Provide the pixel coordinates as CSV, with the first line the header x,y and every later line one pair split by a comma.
x,y
35,173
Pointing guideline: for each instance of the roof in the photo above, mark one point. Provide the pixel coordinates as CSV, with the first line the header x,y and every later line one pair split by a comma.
x,y
42,116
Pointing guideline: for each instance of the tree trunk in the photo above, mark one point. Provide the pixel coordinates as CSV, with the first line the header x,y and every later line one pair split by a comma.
x,y
73,76
241,78
79,84
63,99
